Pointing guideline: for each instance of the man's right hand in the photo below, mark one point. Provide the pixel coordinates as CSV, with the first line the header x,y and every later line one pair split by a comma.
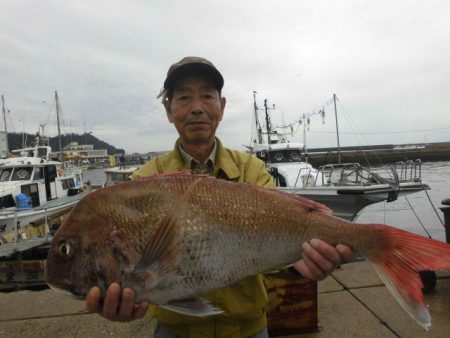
x,y
118,304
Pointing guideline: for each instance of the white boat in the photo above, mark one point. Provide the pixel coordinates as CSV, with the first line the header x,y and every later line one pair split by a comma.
x,y
346,188
33,187
116,175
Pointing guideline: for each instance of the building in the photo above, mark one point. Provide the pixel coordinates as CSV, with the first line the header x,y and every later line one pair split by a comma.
x,y
84,153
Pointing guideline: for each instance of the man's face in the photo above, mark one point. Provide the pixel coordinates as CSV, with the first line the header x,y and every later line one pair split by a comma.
x,y
196,109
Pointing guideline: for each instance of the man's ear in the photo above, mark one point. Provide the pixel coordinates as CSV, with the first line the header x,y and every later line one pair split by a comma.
x,y
168,111
223,102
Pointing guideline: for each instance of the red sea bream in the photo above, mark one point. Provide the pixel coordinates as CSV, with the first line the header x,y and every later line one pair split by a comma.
x,y
175,237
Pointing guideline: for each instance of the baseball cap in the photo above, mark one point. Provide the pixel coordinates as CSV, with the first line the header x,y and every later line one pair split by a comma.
x,y
190,65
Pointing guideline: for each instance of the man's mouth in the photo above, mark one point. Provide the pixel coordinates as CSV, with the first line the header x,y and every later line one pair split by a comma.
x,y
198,121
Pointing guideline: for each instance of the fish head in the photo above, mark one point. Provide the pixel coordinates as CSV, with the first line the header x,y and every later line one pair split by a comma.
x,y
81,255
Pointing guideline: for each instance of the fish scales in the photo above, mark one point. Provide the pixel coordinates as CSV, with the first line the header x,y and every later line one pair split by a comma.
x,y
174,237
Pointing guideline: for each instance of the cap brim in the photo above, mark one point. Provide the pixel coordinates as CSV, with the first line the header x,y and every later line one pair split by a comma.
x,y
195,68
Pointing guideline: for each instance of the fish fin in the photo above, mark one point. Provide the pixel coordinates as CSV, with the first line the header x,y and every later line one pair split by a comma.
x,y
307,203
196,307
403,256
165,247
183,173
130,255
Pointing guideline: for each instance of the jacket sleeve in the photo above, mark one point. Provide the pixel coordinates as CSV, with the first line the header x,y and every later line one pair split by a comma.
x,y
257,173
148,169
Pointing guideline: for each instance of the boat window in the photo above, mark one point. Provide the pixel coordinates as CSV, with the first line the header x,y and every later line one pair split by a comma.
x,y
7,202
279,156
64,184
42,152
295,156
71,183
38,173
78,179
22,174
119,177
5,174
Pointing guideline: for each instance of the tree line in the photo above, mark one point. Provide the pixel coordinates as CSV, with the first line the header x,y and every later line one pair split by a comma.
x,y
18,141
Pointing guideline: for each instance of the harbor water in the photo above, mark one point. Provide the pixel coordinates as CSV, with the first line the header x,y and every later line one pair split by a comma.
x,y
417,216
413,213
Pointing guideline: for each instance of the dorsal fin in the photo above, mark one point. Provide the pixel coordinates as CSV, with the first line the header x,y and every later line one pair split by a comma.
x,y
307,203
185,173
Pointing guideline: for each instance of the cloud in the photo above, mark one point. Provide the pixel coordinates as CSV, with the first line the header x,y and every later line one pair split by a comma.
x,y
388,62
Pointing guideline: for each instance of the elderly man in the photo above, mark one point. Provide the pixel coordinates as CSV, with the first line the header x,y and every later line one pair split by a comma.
x,y
194,104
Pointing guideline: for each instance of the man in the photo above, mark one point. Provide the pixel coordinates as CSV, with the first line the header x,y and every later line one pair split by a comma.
x,y
194,104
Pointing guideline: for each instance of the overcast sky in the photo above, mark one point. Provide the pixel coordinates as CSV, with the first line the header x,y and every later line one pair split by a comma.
x,y
387,61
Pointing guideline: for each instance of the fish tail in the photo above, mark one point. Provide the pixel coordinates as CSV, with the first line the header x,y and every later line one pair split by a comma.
x,y
401,257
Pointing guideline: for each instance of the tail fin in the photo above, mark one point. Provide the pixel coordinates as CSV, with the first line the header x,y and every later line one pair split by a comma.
x,y
404,256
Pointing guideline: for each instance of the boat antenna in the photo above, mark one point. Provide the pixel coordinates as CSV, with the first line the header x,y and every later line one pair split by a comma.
x,y
258,125
337,129
268,125
6,129
58,108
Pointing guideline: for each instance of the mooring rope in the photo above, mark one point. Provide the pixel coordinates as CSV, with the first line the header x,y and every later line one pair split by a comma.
x,y
415,214
435,211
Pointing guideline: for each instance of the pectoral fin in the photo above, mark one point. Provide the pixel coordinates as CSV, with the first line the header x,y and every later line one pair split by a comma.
x,y
164,248
197,307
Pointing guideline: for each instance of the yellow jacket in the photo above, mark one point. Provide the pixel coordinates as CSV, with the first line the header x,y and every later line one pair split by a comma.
x,y
245,303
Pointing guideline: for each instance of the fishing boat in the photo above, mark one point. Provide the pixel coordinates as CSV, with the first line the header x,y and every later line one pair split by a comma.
x,y
34,187
346,188
117,175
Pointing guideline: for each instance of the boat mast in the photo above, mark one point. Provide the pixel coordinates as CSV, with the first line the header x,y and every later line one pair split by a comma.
x,y
258,126
267,121
6,129
268,124
305,119
58,108
337,129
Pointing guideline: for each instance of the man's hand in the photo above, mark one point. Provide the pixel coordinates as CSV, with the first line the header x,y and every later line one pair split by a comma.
x,y
118,304
320,259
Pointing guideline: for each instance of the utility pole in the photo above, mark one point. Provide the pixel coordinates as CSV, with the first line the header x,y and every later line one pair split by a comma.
x,y
6,128
58,108
337,129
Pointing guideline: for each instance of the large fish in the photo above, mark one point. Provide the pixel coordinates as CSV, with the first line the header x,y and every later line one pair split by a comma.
x,y
174,237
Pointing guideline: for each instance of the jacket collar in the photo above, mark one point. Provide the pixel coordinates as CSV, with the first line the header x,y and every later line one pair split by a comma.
x,y
223,164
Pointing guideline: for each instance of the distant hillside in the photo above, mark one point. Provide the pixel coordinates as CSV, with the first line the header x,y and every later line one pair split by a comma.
x,y
15,142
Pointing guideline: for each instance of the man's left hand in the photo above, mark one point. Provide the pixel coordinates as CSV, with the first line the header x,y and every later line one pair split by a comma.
x,y
320,259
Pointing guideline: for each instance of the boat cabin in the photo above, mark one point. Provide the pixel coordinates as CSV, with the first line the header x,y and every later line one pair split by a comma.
x,y
279,153
35,179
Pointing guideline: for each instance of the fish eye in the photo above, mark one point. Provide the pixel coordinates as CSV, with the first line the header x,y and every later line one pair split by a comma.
x,y
65,249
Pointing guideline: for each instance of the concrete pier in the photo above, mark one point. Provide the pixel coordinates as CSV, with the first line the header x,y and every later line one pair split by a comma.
x,y
353,302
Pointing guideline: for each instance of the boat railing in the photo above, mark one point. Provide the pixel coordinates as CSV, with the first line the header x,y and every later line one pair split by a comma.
x,y
353,174
15,213
409,171
348,174
308,180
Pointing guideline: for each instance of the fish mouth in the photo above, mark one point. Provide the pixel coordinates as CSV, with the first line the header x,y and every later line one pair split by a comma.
x,y
72,293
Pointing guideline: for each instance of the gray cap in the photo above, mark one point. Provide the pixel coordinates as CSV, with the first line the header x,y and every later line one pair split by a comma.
x,y
193,64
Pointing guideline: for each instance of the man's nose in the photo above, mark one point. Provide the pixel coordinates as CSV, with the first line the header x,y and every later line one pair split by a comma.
x,y
197,107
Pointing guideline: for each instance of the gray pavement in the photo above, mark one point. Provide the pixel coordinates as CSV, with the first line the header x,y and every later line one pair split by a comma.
x,y
353,302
